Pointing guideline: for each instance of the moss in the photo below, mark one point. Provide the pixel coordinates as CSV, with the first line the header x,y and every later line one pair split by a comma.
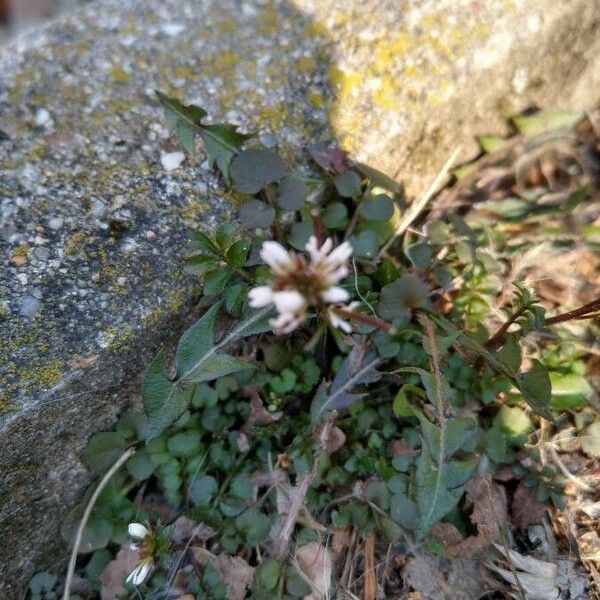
x,y
22,250
44,376
73,241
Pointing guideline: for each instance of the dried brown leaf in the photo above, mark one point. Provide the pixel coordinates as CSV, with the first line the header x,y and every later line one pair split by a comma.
x,y
315,561
184,529
235,573
526,508
115,573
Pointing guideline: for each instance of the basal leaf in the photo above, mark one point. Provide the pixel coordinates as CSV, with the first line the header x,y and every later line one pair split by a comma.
x,y
439,488
196,341
215,366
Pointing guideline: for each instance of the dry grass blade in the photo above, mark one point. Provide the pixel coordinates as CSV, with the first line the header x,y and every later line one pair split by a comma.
x,y
370,586
417,207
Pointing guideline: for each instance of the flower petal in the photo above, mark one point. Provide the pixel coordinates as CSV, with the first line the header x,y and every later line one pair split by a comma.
x,y
139,574
137,531
276,256
289,301
340,254
335,294
285,323
339,323
260,296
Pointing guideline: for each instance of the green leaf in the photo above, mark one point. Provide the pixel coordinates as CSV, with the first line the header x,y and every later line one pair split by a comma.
x,y
510,353
402,406
184,444
183,120
255,526
399,298
241,487
237,253
536,388
364,244
299,234
380,208
547,121
378,493
569,391
256,214
267,573
202,489
140,466
293,192
199,264
439,488
103,450
252,170
216,281
234,297
164,401
514,423
335,216
203,242
462,433
403,510
42,582
348,184
196,341
215,366
221,143
419,254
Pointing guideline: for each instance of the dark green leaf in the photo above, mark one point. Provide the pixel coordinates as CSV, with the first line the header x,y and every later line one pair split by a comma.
x,y
293,192
299,235
184,444
255,525
403,511
364,244
419,254
203,242
510,353
335,216
380,208
216,281
399,298
267,573
199,264
348,184
252,170
163,400
439,488
237,253
103,450
202,489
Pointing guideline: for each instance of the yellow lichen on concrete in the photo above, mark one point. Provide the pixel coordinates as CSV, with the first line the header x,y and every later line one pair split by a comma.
x,y
43,376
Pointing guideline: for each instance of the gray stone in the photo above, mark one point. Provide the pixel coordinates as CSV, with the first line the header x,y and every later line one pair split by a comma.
x,y
399,84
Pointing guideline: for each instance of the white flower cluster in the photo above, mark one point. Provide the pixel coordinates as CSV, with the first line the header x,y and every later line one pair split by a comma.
x,y
138,532
298,284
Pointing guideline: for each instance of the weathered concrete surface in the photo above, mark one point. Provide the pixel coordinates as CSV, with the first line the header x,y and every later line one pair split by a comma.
x,y
412,80
93,226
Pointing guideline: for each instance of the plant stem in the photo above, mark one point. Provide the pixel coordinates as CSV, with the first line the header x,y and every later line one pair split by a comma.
x,y
587,311
498,338
86,515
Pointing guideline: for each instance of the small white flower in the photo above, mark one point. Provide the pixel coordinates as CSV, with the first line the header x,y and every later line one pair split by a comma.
x,y
137,531
141,571
298,284
337,321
